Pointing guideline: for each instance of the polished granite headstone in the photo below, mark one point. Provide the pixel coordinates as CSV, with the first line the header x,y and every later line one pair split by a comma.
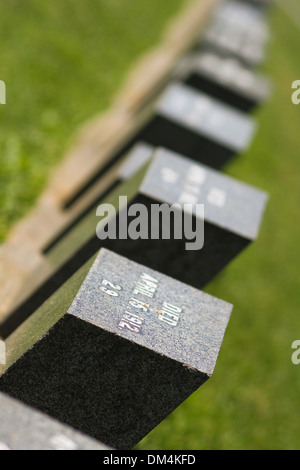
x,y
233,213
238,29
115,350
198,126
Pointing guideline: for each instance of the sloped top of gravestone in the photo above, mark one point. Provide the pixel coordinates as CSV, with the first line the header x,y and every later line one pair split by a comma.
x,y
228,203
23,428
207,116
228,71
243,16
117,288
138,156
239,28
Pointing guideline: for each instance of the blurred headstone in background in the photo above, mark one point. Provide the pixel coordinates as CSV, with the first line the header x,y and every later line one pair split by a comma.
x,y
239,29
198,126
225,78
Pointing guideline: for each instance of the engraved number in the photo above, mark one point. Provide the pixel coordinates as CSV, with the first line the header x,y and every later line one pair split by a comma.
x,y
124,324
109,288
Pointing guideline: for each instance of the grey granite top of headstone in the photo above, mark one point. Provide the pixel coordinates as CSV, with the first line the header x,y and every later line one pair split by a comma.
x,y
208,116
241,15
239,28
117,291
138,156
229,71
228,203
23,428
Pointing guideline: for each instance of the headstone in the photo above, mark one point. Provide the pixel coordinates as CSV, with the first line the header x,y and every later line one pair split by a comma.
x,y
226,79
194,124
23,428
115,355
238,29
233,213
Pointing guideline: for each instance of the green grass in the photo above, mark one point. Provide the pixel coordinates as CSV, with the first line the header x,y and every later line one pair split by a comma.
x,y
252,401
62,62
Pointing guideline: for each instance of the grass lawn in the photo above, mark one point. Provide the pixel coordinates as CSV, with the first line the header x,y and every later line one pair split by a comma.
x,y
62,62
252,401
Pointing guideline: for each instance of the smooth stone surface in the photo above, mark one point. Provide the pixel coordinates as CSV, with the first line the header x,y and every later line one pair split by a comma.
x,y
233,213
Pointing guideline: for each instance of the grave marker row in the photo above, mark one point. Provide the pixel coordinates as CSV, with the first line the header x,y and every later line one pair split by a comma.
x,y
238,29
232,219
187,117
225,78
118,333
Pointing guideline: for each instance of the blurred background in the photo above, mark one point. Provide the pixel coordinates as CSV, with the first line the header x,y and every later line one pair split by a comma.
x,y
62,63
